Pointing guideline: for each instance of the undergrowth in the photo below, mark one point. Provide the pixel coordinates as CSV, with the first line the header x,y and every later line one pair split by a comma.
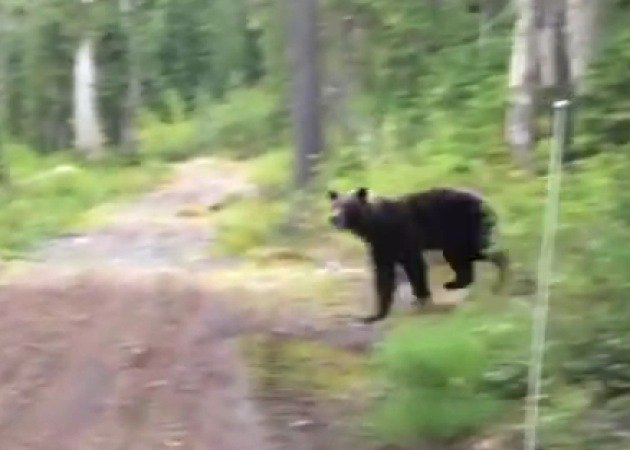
x,y
48,194
436,373
462,145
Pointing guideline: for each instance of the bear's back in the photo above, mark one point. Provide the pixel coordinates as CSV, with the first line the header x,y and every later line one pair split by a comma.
x,y
446,215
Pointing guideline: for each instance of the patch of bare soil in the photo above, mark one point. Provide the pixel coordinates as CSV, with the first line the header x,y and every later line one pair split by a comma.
x,y
121,362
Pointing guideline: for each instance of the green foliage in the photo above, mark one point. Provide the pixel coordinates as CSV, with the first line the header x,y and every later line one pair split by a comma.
x,y
600,352
432,355
188,46
271,172
168,141
605,117
248,224
434,373
241,126
40,74
49,194
433,414
606,427
244,124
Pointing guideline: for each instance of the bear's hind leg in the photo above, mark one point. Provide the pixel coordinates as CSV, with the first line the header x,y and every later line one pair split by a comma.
x,y
464,271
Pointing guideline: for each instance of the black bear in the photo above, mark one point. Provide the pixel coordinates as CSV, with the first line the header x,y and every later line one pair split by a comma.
x,y
397,230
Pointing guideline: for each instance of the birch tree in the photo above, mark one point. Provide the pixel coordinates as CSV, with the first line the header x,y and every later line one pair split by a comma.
x,y
87,127
522,83
582,18
552,46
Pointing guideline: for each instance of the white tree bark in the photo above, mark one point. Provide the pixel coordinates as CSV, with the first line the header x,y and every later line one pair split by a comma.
x,y
523,75
553,45
545,19
582,30
87,127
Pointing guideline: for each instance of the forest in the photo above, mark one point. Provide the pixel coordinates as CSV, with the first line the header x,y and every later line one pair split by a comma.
x,y
165,251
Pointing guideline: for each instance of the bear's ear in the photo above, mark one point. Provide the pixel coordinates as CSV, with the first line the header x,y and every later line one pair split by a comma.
x,y
333,195
362,194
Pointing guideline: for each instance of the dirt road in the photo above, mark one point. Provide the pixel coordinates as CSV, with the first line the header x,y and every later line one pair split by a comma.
x,y
101,349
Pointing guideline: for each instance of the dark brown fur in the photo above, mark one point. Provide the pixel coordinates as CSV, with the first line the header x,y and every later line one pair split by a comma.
x,y
398,230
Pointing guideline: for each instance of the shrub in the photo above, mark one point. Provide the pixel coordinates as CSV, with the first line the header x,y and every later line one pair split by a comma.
x,y
272,171
168,141
434,374
242,124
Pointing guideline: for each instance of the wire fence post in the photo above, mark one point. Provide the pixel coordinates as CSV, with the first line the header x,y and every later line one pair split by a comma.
x,y
545,262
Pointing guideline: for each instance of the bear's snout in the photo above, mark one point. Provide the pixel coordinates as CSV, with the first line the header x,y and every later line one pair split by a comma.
x,y
337,221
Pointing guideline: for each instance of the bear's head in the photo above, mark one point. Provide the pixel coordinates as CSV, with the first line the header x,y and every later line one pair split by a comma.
x,y
350,211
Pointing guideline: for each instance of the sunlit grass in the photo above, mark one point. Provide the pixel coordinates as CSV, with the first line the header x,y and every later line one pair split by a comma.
x,y
49,194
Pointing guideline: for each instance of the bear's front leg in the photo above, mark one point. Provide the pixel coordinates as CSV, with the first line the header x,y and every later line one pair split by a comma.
x,y
416,269
385,278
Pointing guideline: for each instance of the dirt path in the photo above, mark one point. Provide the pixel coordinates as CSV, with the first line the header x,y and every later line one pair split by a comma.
x,y
157,230
131,363
100,349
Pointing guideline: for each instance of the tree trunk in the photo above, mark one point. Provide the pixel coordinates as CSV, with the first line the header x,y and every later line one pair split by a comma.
x,y
87,131
553,45
87,126
523,75
582,18
128,136
550,23
307,125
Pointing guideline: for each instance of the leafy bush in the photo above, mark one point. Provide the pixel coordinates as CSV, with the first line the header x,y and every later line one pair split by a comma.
x,y
272,171
433,414
168,141
242,124
605,116
435,376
